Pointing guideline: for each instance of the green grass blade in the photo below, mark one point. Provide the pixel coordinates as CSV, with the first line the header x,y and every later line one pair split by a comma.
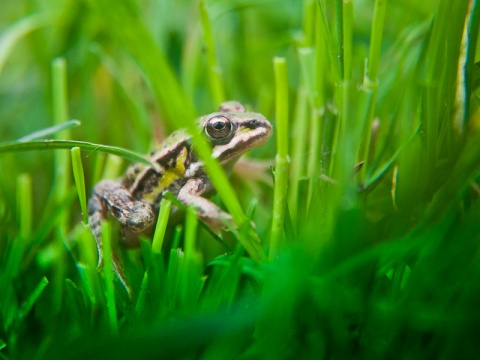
x,y
24,205
157,242
174,280
32,299
468,70
347,39
109,277
376,36
282,158
335,58
193,265
77,305
51,130
299,148
309,22
370,84
228,196
79,177
214,69
141,303
87,282
21,28
61,159
17,146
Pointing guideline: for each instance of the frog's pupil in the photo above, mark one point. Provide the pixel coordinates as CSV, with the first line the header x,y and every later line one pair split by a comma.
x,y
219,125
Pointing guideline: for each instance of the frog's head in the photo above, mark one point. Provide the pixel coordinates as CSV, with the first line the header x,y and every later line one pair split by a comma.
x,y
233,131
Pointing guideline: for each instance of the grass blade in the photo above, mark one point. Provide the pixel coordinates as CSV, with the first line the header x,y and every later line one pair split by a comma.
x,y
24,205
109,277
214,69
17,146
79,177
22,28
51,130
157,242
32,299
282,157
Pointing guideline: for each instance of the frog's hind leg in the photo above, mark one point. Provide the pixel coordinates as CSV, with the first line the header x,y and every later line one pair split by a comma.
x,y
97,212
191,195
110,197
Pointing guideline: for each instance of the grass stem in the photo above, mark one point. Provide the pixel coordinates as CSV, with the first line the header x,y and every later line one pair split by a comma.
x,y
109,277
165,206
79,178
214,70
282,158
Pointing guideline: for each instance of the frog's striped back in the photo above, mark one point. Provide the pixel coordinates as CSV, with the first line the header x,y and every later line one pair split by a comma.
x,y
172,160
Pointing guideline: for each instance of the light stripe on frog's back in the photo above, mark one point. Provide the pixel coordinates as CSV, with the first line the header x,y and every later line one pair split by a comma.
x,y
174,171
171,164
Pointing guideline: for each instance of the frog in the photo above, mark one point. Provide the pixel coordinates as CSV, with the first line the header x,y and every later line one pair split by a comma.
x,y
134,200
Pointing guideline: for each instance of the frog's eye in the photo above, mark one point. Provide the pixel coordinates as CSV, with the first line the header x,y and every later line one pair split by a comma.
x,y
219,129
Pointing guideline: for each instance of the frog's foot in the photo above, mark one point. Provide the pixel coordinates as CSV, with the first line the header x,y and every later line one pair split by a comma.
x,y
132,213
110,197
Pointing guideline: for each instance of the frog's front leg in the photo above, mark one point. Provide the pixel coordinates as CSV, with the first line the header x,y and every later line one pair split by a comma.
x,y
191,195
135,215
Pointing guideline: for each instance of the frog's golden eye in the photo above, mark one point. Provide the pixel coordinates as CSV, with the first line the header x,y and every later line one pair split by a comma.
x,y
219,129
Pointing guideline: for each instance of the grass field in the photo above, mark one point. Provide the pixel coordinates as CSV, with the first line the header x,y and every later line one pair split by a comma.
x,y
367,210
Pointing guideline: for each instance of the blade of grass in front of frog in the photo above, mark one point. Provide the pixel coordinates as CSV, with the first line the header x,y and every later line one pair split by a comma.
x,y
160,228
172,199
152,300
24,217
176,267
87,267
15,252
191,276
48,144
108,273
227,194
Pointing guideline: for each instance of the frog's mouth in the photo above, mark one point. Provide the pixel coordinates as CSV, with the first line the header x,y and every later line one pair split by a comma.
x,y
249,134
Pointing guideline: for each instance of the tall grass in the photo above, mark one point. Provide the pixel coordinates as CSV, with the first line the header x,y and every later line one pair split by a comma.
x,y
366,228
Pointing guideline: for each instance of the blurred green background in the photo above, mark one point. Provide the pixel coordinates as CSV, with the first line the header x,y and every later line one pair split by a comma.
x,y
377,252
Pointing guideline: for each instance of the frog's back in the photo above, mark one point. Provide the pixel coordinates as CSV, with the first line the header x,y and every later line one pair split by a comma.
x,y
172,159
